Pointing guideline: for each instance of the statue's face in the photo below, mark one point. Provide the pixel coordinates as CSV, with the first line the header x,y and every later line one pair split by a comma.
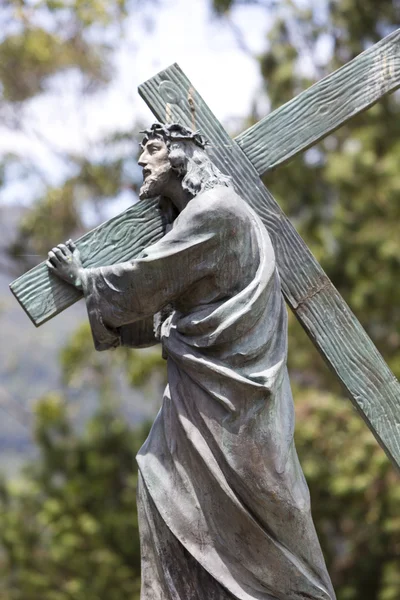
x,y
157,168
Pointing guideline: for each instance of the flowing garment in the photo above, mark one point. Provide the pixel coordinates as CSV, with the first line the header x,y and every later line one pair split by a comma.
x,y
223,505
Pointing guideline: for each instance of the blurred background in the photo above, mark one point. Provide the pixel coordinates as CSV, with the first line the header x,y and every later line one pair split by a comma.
x,y
71,420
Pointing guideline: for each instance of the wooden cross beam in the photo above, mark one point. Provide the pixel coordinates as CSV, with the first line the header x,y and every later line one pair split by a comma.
x,y
293,128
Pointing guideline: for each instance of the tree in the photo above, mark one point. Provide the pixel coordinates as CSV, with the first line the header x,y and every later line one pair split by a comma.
x,y
343,194
69,523
43,45
68,528
355,496
343,197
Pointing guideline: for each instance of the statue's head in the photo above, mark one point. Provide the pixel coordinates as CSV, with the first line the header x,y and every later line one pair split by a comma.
x,y
173,151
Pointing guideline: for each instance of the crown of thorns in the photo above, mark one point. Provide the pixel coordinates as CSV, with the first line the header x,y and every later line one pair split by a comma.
x,y
173,132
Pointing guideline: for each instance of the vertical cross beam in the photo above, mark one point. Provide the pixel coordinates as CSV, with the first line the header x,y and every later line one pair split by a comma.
x,y
326,318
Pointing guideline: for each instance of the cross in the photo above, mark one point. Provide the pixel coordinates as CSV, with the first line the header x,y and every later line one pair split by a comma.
x,y
286,132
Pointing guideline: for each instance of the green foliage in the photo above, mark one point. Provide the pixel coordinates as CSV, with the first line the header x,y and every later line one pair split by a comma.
x,y
343,197
81,364
39,41
346,206
142,368
68,527
355,497
54,216
29,58
72,513
80,361
44,38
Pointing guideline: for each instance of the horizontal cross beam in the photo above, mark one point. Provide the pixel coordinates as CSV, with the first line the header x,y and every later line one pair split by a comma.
x,y
324,107
43,296
274,140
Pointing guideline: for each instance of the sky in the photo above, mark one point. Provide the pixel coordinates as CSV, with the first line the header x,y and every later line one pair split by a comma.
x,y
205,47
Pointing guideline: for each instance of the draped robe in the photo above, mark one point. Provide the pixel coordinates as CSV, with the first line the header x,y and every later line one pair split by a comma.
x,y
224,508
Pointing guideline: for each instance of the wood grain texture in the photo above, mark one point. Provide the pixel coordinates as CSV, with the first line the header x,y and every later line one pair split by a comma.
x,y
324,107
284,133
327,319
43,295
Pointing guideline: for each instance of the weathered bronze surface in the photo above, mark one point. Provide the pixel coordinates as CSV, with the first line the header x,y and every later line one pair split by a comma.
x,y
224,506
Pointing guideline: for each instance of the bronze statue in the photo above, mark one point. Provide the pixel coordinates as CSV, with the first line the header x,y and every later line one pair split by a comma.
x,y
223,504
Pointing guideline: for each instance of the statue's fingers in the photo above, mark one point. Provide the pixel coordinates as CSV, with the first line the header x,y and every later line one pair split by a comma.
x,y
50,266
53,258
65,251
57,253
71,245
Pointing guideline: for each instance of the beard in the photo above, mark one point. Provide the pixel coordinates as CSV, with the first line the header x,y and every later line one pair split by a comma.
x,y
155,182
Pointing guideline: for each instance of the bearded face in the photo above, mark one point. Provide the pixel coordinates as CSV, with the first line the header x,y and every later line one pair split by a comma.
x,y
157,170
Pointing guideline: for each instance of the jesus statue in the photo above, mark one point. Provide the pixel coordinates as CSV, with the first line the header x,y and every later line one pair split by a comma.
x,y
224,509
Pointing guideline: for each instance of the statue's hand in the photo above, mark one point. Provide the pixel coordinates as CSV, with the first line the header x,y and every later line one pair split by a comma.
x,y
65,262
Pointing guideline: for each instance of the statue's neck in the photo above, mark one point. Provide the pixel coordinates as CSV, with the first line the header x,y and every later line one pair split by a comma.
x,y
176,194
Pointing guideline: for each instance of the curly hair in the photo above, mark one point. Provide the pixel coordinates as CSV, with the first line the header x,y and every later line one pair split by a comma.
x,y
186,151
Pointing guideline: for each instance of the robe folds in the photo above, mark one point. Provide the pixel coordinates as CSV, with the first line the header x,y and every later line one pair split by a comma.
x,y
223,504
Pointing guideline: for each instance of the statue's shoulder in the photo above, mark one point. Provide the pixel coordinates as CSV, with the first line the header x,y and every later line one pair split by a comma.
x,y
215,210
219,201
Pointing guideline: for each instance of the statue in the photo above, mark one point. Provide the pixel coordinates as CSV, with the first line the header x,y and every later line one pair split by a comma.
x,y
223,505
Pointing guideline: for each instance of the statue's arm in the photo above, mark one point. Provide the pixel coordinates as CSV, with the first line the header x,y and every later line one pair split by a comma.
x,y
120,295
136,290
65,262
